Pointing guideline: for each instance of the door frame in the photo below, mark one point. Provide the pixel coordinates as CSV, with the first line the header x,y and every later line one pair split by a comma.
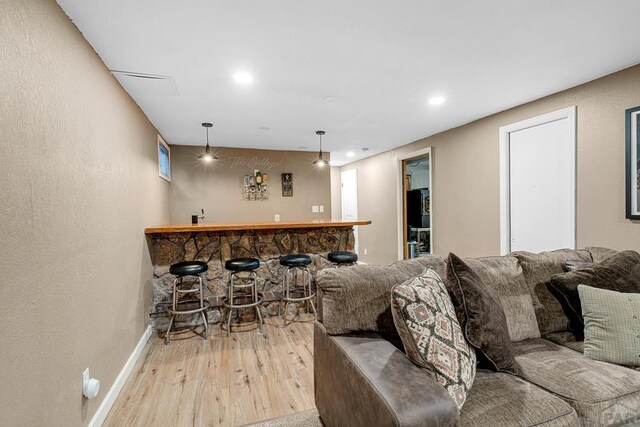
x,y
401,201
505,202
355,227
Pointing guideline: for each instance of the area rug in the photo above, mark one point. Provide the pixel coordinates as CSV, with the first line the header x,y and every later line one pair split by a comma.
x,y
308,418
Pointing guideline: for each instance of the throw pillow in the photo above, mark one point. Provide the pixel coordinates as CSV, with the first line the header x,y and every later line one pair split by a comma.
x,y
481,316
620,273
504,275
431,335
611,325
537,270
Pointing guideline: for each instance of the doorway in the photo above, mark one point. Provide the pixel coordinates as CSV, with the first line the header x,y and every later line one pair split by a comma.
x,y
538,183
416,205
349,199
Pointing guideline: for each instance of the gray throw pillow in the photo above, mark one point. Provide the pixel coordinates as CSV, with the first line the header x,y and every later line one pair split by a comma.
x,y
611,325
431,335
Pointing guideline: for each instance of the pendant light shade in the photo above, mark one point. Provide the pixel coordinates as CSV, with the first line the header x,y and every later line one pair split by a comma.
x,y
320,162
207,156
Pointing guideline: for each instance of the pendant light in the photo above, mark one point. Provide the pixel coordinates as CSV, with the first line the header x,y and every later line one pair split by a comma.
x,y
320,162
207,156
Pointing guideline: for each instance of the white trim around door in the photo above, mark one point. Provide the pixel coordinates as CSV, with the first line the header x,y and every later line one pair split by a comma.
x,y
399,202
505,203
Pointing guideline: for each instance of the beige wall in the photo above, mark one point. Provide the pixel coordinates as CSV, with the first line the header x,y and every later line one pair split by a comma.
x,y
217,187
79,184
336,193
466,176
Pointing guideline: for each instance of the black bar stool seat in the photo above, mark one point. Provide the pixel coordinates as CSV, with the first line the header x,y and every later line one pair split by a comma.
x,y
188,268
343,257
295,260
242,264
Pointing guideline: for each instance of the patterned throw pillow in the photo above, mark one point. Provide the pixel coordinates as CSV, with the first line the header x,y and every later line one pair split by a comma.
x,y
431,335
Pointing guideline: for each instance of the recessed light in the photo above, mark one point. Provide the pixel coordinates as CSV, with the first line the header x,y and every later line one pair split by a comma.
x,y
436,100
243,78
331,99
265,128
350,154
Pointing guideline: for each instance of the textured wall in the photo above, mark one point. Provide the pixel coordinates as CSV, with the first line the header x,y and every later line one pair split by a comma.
x,y
79,184
217,187
466,196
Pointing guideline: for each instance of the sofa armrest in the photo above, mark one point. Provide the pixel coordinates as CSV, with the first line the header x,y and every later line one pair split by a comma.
x,y
363,380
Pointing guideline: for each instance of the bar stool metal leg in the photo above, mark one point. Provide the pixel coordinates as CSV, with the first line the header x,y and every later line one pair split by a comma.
x,y
203,312
255,298
230,298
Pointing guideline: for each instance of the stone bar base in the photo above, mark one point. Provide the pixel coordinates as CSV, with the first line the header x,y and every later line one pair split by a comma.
x,y
215,247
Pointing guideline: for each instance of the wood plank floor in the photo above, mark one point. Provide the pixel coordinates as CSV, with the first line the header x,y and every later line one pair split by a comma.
x,y
220,382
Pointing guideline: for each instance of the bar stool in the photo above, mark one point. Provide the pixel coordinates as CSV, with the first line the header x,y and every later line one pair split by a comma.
x,y
342,258
236,301
297,262
182,288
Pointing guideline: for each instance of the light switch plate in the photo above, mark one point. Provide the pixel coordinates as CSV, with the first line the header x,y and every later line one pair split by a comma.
x,y
314,209
321,208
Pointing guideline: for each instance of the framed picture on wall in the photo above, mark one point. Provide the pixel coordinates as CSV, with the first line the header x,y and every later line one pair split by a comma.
x,y
164,159
632,120
287,184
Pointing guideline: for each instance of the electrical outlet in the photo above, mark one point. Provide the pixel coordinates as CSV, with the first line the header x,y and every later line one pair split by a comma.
x,y
314,209
277,217
365,251
321,208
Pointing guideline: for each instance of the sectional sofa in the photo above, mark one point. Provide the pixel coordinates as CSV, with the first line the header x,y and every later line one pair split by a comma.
x,y
363,377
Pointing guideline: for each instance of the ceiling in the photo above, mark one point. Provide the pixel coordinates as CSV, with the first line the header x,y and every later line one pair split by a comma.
x,y
361,70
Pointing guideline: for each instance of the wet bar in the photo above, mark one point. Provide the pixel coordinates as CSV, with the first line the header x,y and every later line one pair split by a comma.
x,y
219,242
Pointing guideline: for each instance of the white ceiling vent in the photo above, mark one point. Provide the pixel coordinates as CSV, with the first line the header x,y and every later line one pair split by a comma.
x,y
146,84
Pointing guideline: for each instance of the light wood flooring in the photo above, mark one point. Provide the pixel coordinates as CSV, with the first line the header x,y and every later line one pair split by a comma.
x,y
220,382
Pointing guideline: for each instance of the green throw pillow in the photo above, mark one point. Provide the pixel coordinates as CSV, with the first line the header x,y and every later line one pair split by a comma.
x,y
611,325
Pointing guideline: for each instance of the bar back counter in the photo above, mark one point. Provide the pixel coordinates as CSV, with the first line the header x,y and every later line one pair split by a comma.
x,y
217,243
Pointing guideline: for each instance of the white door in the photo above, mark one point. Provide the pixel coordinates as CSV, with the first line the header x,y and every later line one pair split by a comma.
x,y
540,188
349,190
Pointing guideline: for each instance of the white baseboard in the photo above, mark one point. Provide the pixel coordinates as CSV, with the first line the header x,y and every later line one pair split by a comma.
x,y
113,392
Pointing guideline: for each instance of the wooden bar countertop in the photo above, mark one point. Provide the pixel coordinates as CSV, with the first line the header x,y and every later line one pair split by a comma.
x,y
191,228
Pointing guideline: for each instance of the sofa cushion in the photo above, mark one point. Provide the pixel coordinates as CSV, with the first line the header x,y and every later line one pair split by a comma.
x,y
501,399
601,393
537,270
621,273
481,316
505,277
611,325
599,254
567,339
357,298
431,335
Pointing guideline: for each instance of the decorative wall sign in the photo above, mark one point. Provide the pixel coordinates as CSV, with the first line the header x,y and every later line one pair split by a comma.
x,y
633,163
287,184
255,186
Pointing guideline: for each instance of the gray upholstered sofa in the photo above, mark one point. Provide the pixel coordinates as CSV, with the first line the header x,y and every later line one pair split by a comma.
x,y
362,377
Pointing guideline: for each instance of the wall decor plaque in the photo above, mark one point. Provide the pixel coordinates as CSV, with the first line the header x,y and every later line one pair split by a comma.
x,y
287,184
